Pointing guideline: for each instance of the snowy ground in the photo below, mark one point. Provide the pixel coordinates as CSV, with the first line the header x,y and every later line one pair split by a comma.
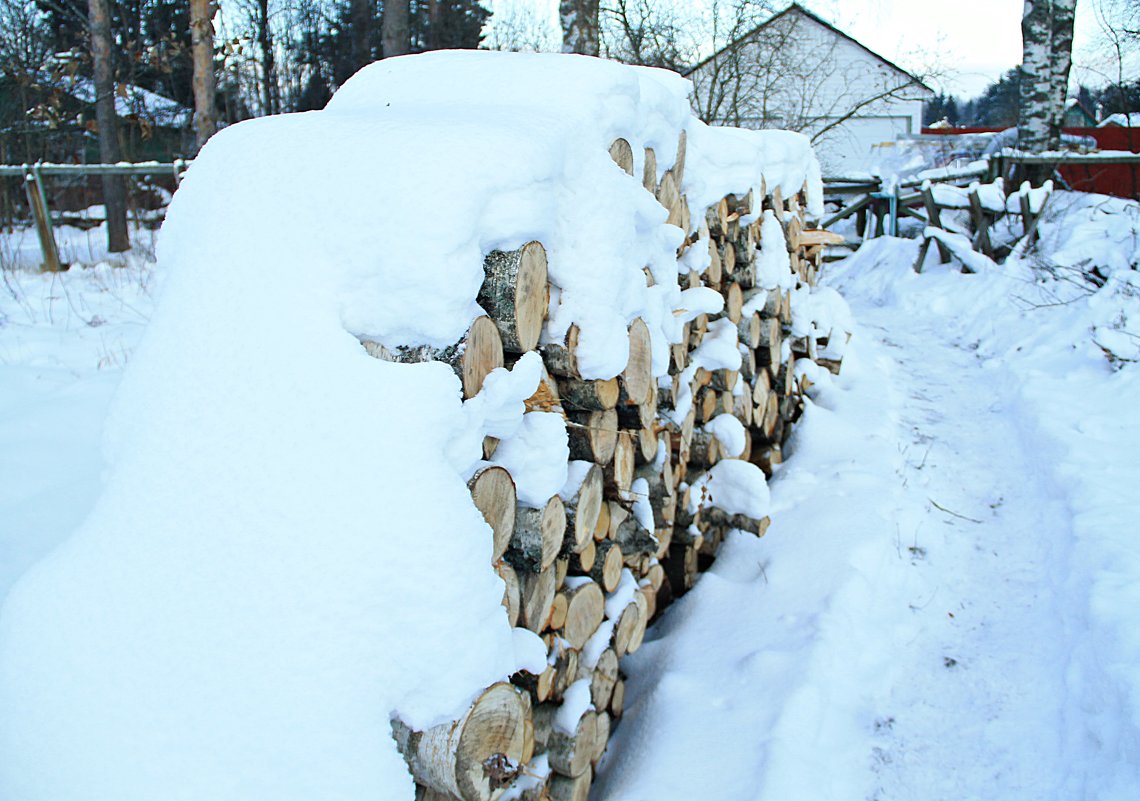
x,y
945,607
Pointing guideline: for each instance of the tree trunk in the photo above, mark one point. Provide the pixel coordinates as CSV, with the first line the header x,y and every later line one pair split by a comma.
x,y
580,27
1047,42
360,39
202,46
395,33
269,94
114,189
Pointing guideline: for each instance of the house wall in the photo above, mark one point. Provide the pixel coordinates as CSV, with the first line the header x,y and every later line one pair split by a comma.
x,y
798,74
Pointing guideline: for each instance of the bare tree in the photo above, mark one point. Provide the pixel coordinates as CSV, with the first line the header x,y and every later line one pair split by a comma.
x,y
580,26
114,189
519,28
202,47
1047,44
396,31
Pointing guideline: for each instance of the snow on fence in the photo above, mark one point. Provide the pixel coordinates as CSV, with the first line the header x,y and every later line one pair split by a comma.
x,y
592,320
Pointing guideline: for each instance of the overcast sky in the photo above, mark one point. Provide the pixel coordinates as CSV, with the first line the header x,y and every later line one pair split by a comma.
x,y
970,43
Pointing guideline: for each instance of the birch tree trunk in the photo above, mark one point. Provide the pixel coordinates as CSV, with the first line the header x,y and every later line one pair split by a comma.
x,y
114,189
580,26
1047,44
395,33
202,48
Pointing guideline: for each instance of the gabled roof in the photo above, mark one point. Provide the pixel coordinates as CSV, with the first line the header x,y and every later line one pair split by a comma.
x,y
796,7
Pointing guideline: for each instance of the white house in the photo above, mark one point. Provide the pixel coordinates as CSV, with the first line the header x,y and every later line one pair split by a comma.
x,y
798,72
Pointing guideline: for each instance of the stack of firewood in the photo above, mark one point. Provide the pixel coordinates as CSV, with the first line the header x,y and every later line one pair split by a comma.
x,y
590,568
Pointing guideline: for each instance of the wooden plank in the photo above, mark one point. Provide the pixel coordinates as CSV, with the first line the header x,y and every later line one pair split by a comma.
x,y
981,225
37,201
935,218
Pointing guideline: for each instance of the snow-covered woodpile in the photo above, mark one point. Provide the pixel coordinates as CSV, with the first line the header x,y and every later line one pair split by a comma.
x,y
660,470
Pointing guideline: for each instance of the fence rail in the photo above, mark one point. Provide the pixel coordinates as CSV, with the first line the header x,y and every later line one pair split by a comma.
x,y
33,177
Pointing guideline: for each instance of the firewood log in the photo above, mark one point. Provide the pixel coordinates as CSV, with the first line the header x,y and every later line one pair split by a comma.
x,y
715,271
515,295
585,610
578,395
618,473
749,331
704,451
582,511
540,687
538,536
733,301
622,154
569,754
634,539
602,723
475,756
630,630
583,561
678,168
649,171
493,492
668,192
558,611
512,597
537,595
472,358
565,673
768,352
602,529
607,565
593,435
637,378
617,698
603,678
561,358
567,788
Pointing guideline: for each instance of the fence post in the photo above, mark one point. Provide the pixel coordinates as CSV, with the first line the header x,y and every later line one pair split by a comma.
x,y
37,201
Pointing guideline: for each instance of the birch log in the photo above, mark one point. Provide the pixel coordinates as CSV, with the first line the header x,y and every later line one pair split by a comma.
x,y
515,294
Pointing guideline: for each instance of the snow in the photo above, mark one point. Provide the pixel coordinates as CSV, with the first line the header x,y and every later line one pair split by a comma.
x,y
945,604
536,457
724,161
734,486
281,552
773,264
729,432
575,703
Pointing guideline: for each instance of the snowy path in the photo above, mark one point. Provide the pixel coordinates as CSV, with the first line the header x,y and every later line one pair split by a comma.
x,y
981,708
907,628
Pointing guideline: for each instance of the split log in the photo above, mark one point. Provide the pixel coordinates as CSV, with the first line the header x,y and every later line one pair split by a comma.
x,y
622,154
512,594
733,301
602,530
749,331
540,687
558,611
608,565
593,435
579,395
585,610
634,539
617,699
537,596
649,171
768,352
567,788
630,630
493,492
570,754
619,472
668,193
472,358
515,294
474,757
704,451
582,511
604,676
637,379
561,358
565,673
602,722
538,535
583,561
